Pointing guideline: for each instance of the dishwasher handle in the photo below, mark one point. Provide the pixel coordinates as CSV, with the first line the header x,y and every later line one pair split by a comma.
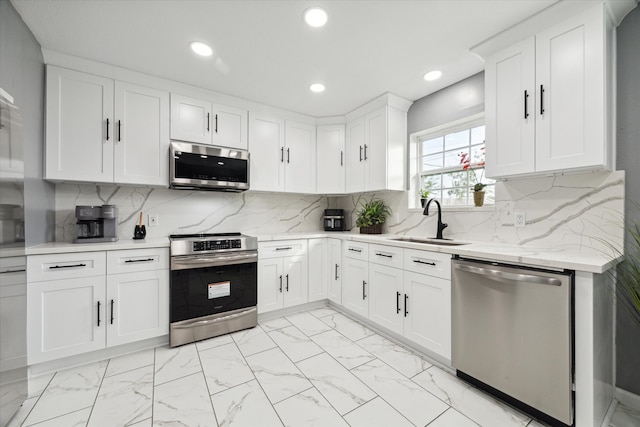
x,y
505,275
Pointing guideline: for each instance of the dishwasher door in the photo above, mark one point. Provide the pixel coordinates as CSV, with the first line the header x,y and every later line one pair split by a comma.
x,y
512,329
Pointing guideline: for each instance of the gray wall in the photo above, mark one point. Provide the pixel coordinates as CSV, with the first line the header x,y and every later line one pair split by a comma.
x,y
454,102
22,75
628,128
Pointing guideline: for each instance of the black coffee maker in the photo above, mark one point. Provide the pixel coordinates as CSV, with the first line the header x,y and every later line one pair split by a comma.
x,y
334,220
96,224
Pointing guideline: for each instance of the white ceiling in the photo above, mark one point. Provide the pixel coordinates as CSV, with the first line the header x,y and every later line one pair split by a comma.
x,y
265,52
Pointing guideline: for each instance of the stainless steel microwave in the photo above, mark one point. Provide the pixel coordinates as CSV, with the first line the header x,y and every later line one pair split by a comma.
x,y
207,167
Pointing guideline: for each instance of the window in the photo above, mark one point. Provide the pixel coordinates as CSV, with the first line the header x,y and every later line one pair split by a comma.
x,y
450,162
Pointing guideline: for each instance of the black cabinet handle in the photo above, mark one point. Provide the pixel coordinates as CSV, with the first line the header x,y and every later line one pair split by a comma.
x,y
384,255
112,312
67,266
139,260
208,121
341,158
365,151
107,129
281,154
284,248
23,270
281,283
397,302
406,297
288,156
424,262
355,250
287,276
541,99
119,130
98,313
335,274
526,110
216,123
364,295
361,153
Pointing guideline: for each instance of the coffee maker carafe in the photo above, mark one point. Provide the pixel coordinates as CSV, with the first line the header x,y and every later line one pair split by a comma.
x,y
96,224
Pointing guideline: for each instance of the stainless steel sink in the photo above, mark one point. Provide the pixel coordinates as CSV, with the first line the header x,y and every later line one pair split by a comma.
x,y
442,242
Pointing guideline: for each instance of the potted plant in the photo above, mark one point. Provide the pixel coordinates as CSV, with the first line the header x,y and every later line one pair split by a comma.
x,y
627,275
478,188
424,193
371,216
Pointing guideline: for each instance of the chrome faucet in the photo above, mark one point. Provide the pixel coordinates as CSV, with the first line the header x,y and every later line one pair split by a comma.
x,y
441,225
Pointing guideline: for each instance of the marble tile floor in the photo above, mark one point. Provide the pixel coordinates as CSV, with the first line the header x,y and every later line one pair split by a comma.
x,y
316,368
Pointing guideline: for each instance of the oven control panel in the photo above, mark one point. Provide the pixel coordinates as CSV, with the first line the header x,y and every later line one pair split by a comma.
x,y
217,245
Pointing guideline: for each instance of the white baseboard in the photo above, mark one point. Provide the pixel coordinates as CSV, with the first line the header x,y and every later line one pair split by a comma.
x,y
628,399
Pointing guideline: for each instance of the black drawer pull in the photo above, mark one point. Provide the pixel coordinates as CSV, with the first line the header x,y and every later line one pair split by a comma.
x,y
424,262
107,129
98,313
208,121
287,288
355,250
112,312
67,266
216,123
336,275
281,283
541,100
365,151
284,248
526,110
364,294
406,297
23,270
397,302
139,260
361,153
384,255
119,130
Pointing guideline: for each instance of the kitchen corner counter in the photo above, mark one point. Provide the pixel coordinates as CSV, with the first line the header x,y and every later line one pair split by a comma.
x,y
68,247
554,258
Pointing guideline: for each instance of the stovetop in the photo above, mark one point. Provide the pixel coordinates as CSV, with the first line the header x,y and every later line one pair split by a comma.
x,y
203,243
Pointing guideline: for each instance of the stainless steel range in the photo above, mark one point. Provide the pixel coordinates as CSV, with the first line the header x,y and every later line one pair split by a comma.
x,y
214,285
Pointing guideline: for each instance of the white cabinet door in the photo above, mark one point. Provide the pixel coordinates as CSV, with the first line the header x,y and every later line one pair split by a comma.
x,y
65,317
191,119
355,289
141,135
270,284
355,142
295,280
267,153
137,306
385,305
299,156
428,307
335,270
318,269
570,68
330,164
230,126
375,150
510,110
79,128
13,313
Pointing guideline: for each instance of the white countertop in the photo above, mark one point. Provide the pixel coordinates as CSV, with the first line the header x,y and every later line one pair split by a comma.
x,y
557,258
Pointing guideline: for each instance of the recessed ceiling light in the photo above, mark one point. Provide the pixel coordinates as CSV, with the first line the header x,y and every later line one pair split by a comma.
x,y
317,87
315,17
201,49
432,75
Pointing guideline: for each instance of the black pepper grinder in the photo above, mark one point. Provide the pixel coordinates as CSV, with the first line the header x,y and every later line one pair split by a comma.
x,y
139,232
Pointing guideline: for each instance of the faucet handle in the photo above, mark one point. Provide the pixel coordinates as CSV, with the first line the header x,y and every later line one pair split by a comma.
x,y
444,225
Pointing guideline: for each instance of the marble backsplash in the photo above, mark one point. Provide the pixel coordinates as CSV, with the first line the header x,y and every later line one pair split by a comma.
x,y
183,211
583,211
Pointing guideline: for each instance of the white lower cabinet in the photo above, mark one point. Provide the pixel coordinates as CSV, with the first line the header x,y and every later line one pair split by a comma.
x,y
355,278
385,305
318,269
73,308
282,274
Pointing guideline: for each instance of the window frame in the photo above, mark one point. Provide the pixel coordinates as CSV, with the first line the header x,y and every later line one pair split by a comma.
x,y
415,158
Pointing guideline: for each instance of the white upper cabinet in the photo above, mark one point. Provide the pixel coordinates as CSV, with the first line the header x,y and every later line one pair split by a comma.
x,y
141,135
548,100
330,159
206,122
98,130
376,150
282,155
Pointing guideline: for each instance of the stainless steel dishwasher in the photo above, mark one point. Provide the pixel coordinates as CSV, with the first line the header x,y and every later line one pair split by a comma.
x,y
512,335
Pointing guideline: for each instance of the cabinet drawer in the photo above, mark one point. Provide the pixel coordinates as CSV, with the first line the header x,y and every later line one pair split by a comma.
x,y
282,248
431,263
356,250
386,255
129,261
66,266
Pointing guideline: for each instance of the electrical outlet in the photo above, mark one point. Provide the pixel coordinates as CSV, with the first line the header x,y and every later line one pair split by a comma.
x,y
154,220
518,219
396,219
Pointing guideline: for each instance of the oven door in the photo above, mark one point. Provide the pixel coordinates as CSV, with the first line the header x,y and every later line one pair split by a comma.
x,y
202,285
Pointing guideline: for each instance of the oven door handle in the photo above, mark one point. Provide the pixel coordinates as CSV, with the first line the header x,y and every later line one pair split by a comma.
x,y
198,261
197,323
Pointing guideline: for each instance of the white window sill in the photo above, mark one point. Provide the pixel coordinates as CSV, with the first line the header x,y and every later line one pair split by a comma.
x,y
485,208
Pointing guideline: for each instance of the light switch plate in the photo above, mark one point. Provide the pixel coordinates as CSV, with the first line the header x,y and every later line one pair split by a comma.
x,y
154,220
